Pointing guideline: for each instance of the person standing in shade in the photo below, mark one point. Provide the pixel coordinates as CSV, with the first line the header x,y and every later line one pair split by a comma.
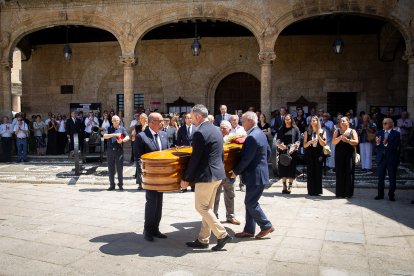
x,y
140,127
222,116
387,145
288,140
254,170
314,140
73,125
206,169
149,140
185,137
237,130
39,129
116,137
6,133
345,139
21,130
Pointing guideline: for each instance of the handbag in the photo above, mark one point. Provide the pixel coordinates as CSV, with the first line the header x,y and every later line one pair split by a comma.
x,y
326,150
285,159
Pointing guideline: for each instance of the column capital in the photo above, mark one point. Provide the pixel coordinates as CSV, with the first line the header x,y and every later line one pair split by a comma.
x,y
128,61
267,57
8,64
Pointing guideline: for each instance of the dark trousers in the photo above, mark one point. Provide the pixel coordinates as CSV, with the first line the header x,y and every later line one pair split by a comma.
x,y
115,158
383,167
61,143
153,212
7,147
254,213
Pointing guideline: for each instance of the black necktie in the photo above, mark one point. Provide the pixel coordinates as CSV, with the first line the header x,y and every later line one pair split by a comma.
x,y
156,141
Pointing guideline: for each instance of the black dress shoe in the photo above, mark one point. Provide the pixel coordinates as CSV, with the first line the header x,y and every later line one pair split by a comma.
x,y
160,235
139,188
148,237
110,189
196,244
222,242
121,188
183,190
379,197
392,198
412,202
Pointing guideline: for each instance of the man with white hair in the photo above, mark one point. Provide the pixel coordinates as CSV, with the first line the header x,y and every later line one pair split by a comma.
x,y
222,116
116,137
253,168
228,185
238,130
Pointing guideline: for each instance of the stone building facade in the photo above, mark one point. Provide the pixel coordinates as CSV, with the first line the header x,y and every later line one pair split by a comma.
x,y
286,66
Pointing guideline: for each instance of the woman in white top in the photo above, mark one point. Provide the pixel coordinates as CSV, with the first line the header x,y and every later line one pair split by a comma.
x,y
62,139
39,128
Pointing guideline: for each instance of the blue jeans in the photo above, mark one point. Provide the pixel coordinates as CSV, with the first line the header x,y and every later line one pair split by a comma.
x,y
21,149
254,213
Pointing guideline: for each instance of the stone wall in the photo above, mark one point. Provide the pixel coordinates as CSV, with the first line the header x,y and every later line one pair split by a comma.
x,y
305,66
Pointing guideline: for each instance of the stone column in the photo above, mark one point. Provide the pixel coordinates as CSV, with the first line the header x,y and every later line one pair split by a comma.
x,y
410,87
266,58
128,63
16,103
6,87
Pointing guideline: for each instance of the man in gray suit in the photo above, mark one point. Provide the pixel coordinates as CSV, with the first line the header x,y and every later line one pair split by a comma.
x,y
222,116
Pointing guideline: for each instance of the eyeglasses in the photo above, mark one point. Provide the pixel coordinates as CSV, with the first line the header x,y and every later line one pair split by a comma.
x,y
385,123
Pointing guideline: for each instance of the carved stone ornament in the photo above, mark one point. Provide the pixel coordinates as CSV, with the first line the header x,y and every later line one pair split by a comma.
x,y
267,56
408,56
7,64
128,60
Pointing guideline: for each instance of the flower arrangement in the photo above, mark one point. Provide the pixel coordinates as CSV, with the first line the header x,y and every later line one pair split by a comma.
x,y
232,137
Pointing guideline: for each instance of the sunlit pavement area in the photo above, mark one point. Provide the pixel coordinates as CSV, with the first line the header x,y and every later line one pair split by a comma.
x,y
81,229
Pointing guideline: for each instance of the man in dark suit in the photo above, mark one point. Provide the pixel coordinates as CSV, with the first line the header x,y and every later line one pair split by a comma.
x,y
387,155
152,139
73,125
222,116
185,137
278,122
185,132
206,169
253,168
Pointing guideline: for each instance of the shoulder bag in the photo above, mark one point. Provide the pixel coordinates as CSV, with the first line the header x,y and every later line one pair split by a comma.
x,y
285,159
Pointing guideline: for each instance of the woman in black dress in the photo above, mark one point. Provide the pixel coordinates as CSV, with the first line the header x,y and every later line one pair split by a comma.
x,y
300,121
52,137
345,140
288,141
314,140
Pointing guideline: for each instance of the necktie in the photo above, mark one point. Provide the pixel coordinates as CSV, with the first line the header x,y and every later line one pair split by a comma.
x,y
222,118
386,134
156,141
74,121
189,131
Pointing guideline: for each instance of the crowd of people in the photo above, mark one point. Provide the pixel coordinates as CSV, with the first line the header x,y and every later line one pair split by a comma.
x,y
315,136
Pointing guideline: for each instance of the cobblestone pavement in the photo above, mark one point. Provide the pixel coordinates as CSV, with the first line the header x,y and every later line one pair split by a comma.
x,y
86,230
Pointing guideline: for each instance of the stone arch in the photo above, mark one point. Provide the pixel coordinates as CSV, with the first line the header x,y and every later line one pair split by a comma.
x,y
307,10
250,21
43,21
239,68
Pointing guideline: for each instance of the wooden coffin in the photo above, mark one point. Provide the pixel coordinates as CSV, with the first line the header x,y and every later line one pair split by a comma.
x,y
162,170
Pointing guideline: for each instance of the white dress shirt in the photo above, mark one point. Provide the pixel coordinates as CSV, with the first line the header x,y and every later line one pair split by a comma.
x,y
22,130
239,130
6,130
88,126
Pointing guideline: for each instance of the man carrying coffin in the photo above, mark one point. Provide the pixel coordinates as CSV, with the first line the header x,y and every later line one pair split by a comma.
x,y
151,139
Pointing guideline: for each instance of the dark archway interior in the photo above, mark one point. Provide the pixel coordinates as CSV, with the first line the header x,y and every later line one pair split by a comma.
x,y
237,91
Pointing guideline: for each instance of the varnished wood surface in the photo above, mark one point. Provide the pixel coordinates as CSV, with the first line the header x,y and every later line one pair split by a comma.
x,y
162,170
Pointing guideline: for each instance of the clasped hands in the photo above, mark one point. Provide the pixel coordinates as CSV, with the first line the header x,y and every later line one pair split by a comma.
x,y
378,140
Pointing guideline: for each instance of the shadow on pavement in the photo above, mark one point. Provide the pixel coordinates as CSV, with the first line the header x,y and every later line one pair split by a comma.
x,y
131,243
316,198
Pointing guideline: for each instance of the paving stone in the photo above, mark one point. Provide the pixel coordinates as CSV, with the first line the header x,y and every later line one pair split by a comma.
x,y
344,237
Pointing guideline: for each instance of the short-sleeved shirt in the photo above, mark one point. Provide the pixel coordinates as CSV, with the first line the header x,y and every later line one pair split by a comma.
x,y
112,143
40,128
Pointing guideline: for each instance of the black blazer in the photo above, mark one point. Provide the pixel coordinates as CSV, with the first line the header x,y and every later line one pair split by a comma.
x,y
206,162
72,128
389,153
278,124
183,139
219,118
145,143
